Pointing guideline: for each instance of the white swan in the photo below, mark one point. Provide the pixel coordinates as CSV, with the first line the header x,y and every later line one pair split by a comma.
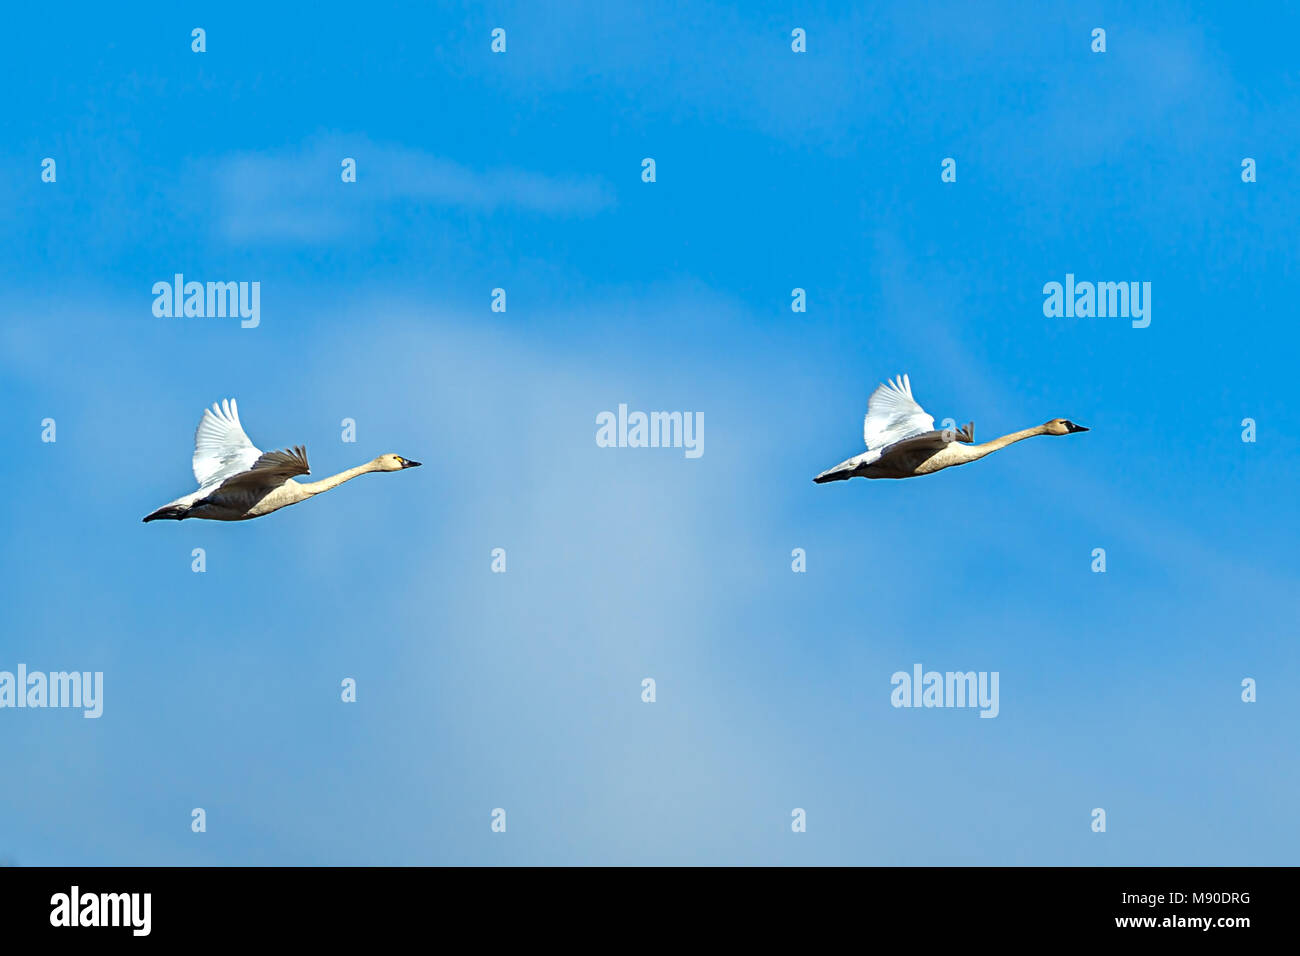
x,y
902,442
238,481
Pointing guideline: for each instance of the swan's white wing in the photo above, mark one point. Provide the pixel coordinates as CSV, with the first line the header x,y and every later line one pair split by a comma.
x,y
271,469
892,415
221,448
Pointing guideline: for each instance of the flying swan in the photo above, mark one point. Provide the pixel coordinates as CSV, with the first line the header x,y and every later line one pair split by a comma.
x,y
238,481
902,441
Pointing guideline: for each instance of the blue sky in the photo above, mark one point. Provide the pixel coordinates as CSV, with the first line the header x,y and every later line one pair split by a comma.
x,y
521,690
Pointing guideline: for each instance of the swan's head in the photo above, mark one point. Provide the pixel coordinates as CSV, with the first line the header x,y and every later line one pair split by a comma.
x,y
395,463
1063,426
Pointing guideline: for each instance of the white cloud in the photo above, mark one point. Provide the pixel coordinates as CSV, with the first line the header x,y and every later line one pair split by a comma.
x,y
290,195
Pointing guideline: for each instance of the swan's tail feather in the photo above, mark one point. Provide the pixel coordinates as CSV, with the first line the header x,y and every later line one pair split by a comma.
x,y
174,512
840,472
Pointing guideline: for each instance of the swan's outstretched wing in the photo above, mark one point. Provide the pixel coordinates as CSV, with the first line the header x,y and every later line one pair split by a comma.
x,y
271,469
892,415
221,448
931,440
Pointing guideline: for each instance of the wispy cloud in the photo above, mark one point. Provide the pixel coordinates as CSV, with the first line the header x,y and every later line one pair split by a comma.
x,y
293,195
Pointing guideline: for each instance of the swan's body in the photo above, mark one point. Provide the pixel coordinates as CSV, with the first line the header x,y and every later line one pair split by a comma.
x,y
902,442
238,481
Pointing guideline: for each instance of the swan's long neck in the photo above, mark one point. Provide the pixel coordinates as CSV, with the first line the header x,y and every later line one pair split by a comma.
x,y
333,481
973,452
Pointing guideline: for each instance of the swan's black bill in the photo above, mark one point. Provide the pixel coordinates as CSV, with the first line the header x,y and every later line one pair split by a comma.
x,y
1075,428
407,463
